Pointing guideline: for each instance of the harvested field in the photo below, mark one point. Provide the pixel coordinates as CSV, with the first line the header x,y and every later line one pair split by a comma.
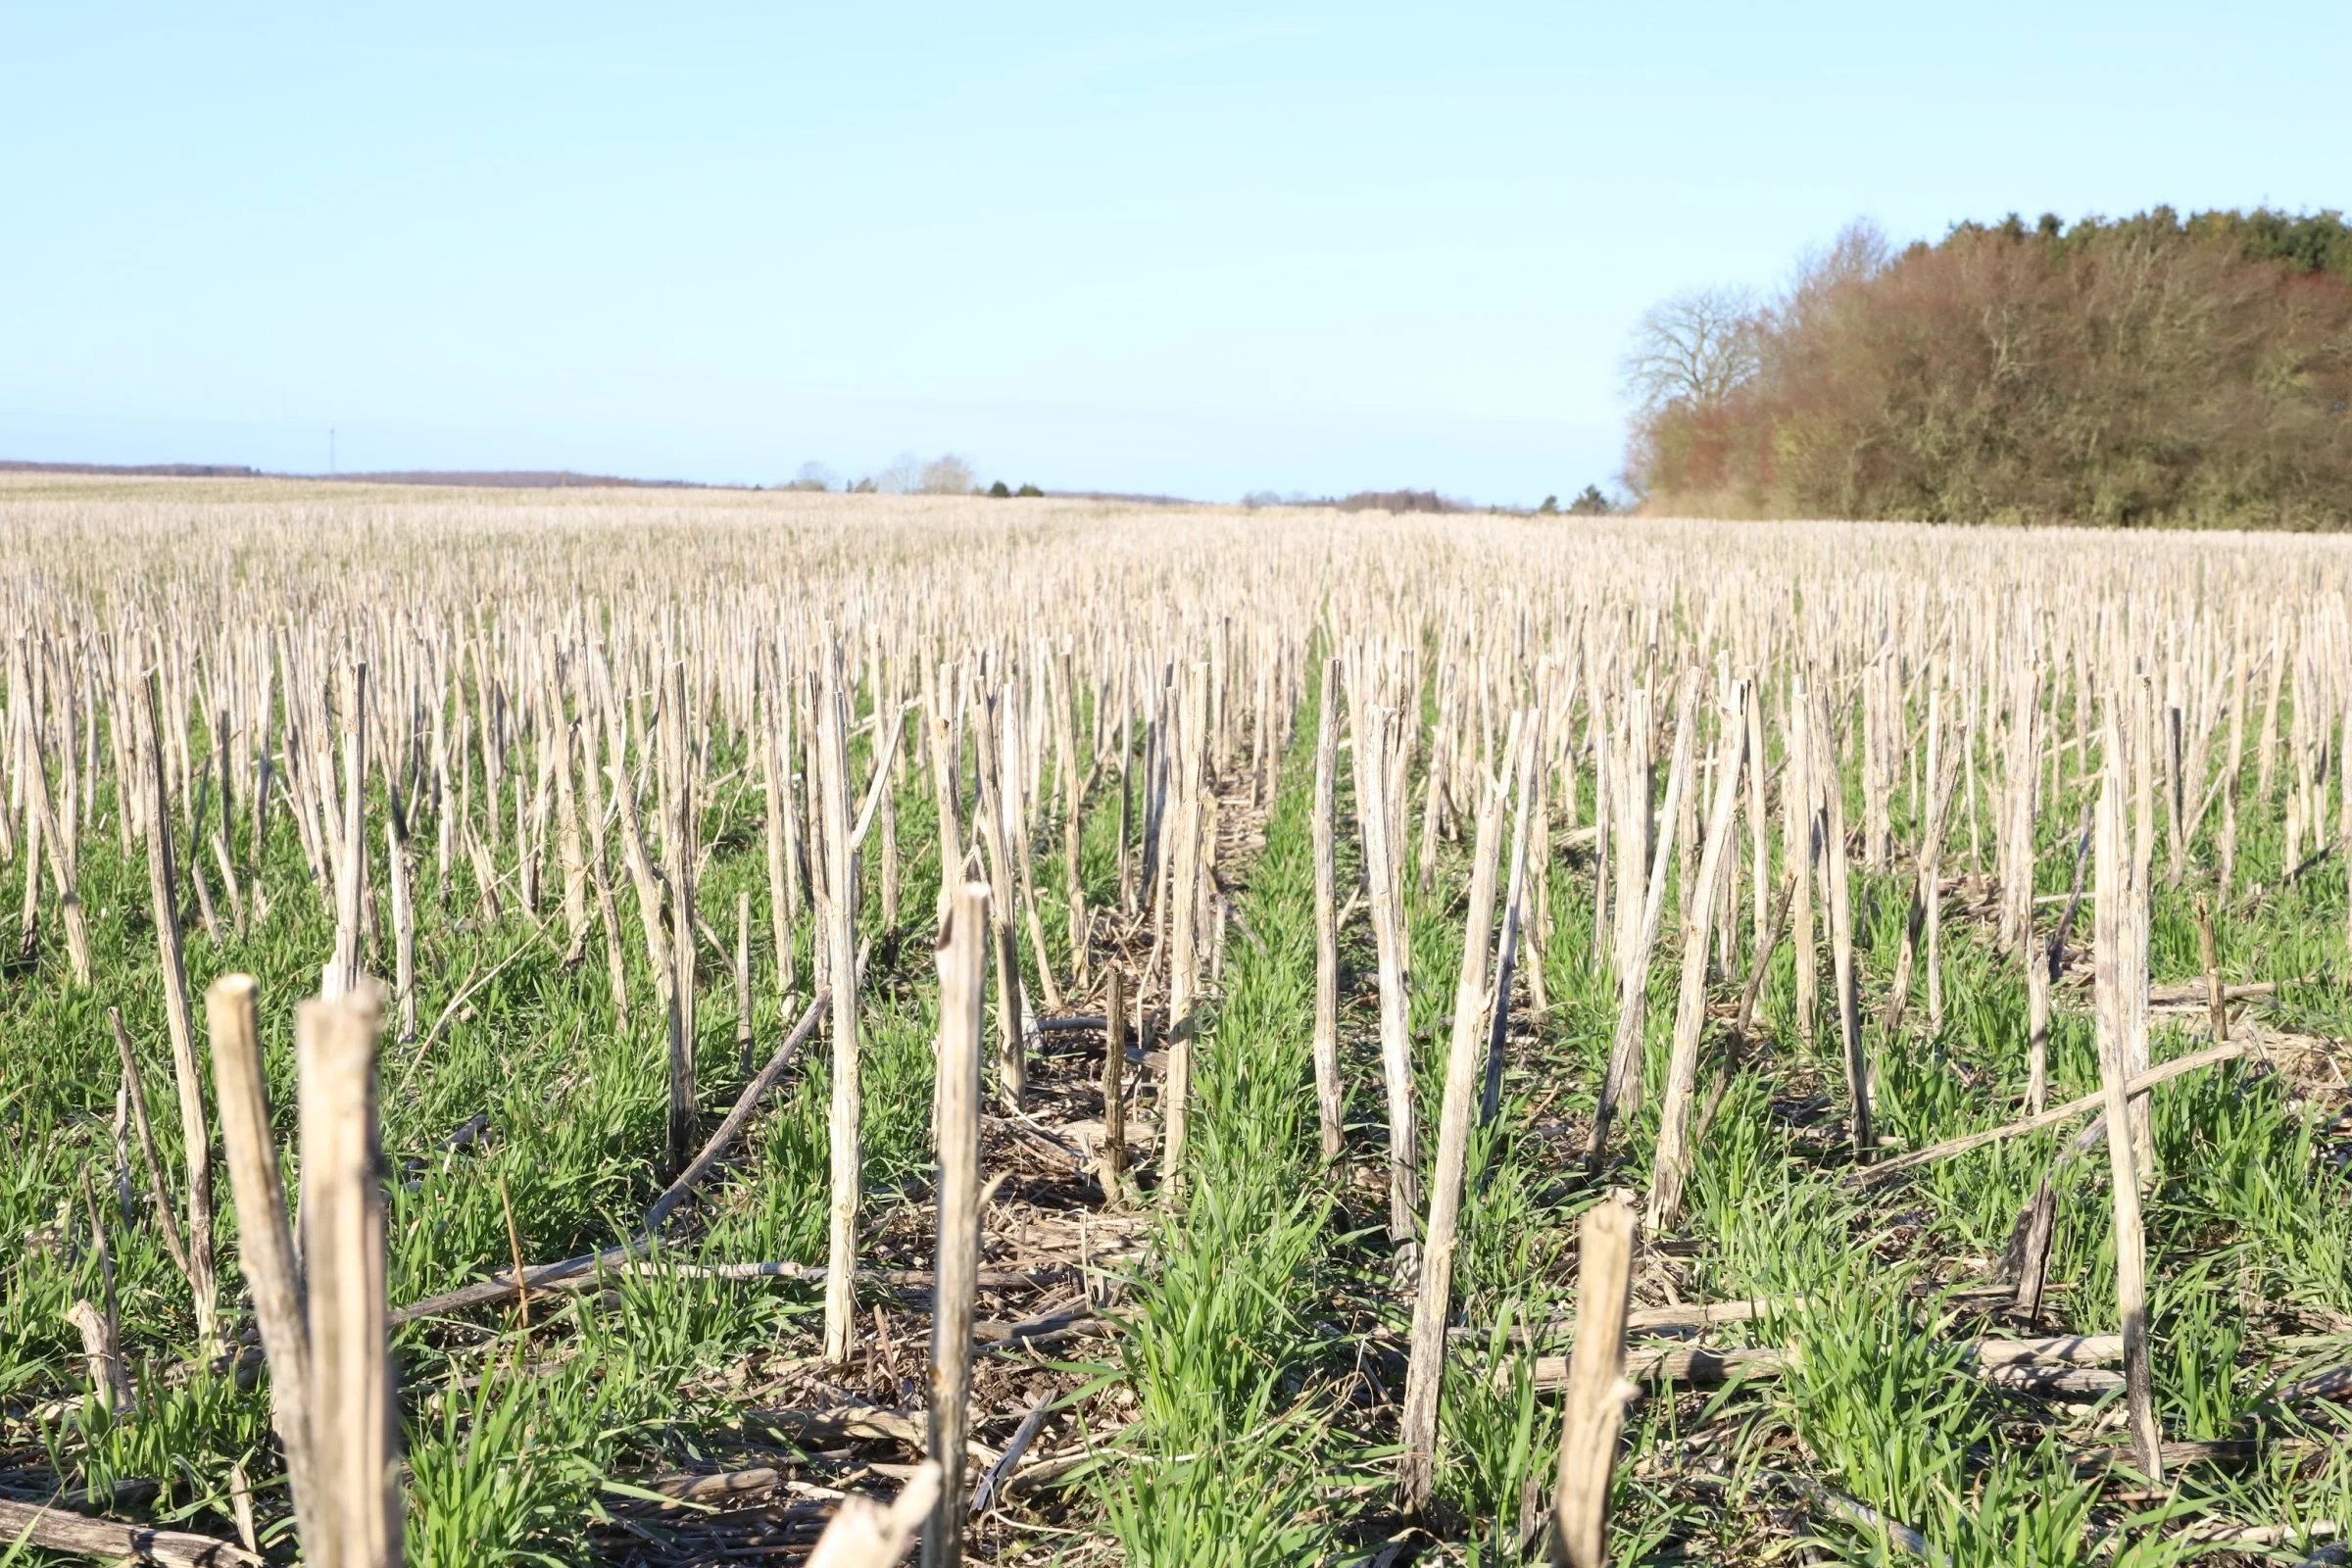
x,y
1276,1036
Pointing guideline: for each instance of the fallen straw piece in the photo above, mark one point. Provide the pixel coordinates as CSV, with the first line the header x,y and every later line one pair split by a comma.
x,y
1870,1175
992,1485
1835,1504
1646,1319
587,1270
2054,1382
851,1419
2251,1536
717,1485
52,1529
2062,1349
2193,992
2222,1451
1699,1315
2333,1384
1840,1506
746,1102
2022,1365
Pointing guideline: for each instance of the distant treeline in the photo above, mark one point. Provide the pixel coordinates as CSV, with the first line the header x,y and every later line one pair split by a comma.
x,y
2152,371
136,470
1364,501
481,479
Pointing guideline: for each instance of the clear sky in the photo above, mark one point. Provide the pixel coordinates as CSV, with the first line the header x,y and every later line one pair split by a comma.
x,y
1198,250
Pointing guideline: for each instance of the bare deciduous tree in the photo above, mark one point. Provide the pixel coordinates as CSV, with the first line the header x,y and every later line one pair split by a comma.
x,y
947,475
1696,348
1857,254
902,478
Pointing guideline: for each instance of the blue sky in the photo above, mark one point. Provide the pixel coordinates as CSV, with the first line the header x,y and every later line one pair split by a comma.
x,y
1197,250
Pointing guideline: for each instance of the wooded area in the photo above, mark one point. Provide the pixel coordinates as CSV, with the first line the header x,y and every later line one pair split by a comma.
x,y
2156,370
